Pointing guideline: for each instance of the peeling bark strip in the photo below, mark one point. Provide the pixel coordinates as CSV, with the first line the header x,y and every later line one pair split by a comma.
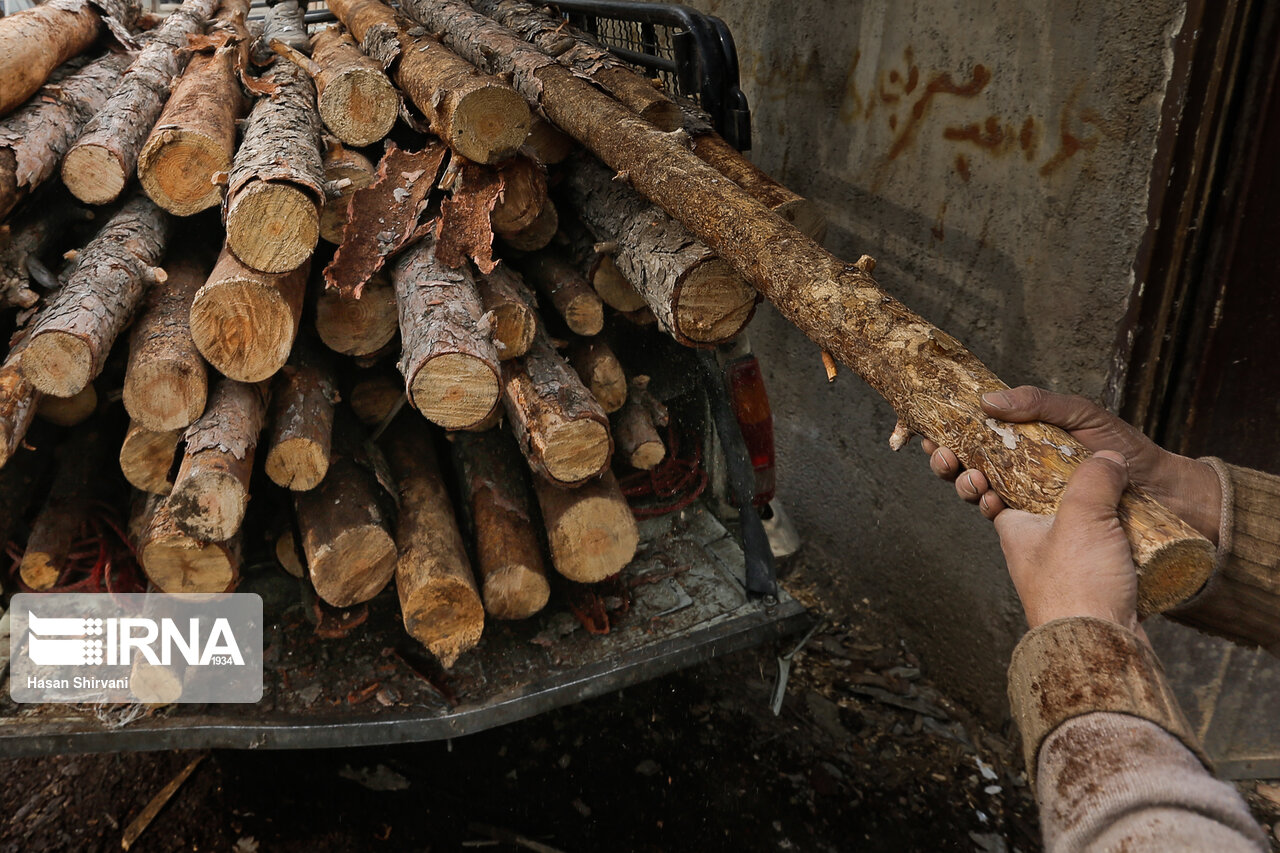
x,y
697,297
174,560
591,531
357,101
166,382
507,547
382,217
300,436
447,358
33,140
26,240
361,326
211,489
35,41
438,596
146,458
512,320
464,231
103,159
194,139
346,171
563,286
928,377
585,56
243,321
74,332
559,426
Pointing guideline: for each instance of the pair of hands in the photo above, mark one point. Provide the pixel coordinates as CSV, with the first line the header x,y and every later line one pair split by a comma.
x,y
1078,562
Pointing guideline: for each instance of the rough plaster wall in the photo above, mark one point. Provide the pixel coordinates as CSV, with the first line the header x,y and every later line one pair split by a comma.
x,y
993,157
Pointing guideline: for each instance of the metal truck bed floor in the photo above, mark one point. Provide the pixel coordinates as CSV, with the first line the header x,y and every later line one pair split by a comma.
x,y
687,605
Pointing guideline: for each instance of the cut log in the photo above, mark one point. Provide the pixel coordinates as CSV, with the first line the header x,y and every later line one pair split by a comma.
x,y
166,383
476,114
357,102
538,234
18,402
74,332
374,397
560,283
101,162
595,259
547,143
65,513
243,321
512,319
35,41
34,139
177,562
345,525
342,165
194,139
23,243
287,553
586,57
508,552
697,297
69,411
634,431
600,371
438,596
358,326
591,531
930,379
211,489
449,363
524,194
146,458
560,427
299,438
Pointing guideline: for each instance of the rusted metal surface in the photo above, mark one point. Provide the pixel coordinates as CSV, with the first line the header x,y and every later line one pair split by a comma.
x,y
680,602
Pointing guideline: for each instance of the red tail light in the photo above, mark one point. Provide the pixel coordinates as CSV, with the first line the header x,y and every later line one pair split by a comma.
x,y
751,406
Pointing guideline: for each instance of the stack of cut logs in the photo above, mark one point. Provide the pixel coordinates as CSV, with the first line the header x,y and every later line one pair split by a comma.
x,y
311,206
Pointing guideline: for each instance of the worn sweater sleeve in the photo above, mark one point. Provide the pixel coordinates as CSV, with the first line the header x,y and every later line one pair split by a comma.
x,y
1114,763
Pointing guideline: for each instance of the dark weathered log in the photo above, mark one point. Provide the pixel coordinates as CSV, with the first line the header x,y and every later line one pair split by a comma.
x,y
166,382
34,139
695,295
601,372
194,139
538,234
68,411
174,560
477,115
345,524
78,462
346,171
211,489
101,162
928,377
243,321
449,362
299,437
560,427
508,552
634,432
35,41
146,458
438,596
524,194
24,242
595,259
358,326
73,333
547,143
19,481
586,57
374,397
559,282
512,320
357,102
591,531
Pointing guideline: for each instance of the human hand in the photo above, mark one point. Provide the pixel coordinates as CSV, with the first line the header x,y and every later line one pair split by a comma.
x,y
1187,487
1076,562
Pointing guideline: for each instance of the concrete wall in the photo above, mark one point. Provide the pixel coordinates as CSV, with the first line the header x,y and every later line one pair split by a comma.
x,y
993,157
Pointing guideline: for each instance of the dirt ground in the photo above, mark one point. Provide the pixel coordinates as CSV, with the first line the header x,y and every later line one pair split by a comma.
x,y
866,755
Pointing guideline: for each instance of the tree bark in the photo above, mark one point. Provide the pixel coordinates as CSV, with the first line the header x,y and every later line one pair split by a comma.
x,y
166,383
357,102
177,562
560,427
194,140
475,114
211,489
508,553
358,326
146,458
34,139
27,240
595,259
449,364
65,512
345,525
507,303
68,411
634,431
556,279
438,596
930,379
243,321
600,371
299,438
547,143
590,530
524,194
18,402
74,332
538,234
697,297
103,159
342,164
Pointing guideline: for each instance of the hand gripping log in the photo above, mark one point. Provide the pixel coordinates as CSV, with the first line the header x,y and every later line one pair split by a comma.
x,y
930,379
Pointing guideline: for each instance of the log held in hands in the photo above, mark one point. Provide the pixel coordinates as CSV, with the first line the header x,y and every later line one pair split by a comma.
x,y
930,379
